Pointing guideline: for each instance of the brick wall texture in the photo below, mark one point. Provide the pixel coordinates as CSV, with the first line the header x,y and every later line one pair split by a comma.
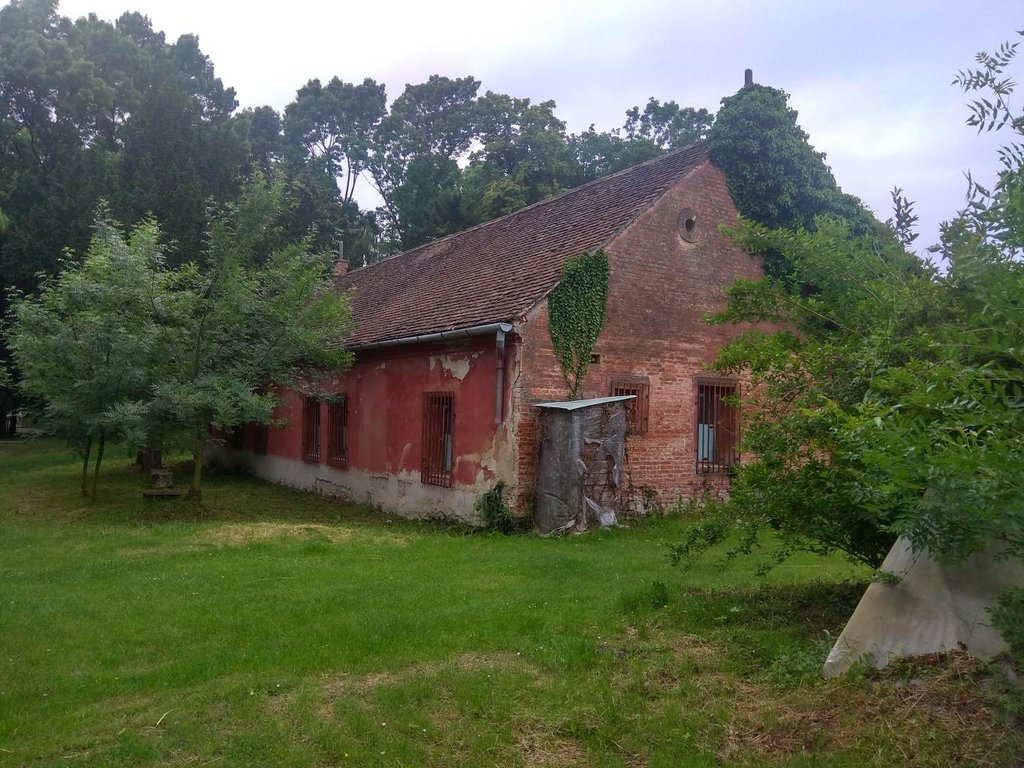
x,y
662,286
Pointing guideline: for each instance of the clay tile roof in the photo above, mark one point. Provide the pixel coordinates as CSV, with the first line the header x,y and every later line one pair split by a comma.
x,y
497,271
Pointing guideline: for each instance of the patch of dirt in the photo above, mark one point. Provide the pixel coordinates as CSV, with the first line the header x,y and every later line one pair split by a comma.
x,y
240,534
540,749
336,688
945,701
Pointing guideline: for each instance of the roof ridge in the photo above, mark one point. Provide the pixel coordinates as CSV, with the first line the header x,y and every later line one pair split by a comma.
x,y
543,201
625,224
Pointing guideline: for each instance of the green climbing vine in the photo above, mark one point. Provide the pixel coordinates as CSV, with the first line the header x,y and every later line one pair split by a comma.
x,y
576,314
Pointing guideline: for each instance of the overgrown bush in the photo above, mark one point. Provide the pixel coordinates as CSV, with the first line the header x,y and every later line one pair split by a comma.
x,y
495,514
1008,618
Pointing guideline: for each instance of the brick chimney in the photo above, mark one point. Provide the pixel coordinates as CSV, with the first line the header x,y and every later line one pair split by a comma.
x,y
340,265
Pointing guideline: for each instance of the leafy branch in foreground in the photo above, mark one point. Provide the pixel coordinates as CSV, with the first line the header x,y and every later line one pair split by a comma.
x,y
889,398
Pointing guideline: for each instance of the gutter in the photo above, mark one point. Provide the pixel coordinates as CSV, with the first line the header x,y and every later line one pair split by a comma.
x,y
458,333
498,329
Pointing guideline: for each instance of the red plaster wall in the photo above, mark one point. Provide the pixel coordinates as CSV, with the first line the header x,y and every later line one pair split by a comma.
x,y
385,409
661,288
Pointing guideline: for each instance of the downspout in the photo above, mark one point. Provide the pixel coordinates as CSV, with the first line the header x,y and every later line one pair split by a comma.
x,y
499,387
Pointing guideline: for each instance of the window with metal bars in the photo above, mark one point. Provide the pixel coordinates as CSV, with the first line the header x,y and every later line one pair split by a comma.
x,y
718,422
637,409
337,432
438,420
310,430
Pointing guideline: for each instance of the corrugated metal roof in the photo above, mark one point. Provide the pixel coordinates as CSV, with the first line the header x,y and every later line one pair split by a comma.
x,y
572,405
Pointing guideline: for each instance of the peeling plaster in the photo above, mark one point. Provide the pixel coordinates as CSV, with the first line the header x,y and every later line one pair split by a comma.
x,y
457,367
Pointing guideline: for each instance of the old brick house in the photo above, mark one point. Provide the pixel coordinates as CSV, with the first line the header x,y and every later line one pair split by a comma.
x,y
453,350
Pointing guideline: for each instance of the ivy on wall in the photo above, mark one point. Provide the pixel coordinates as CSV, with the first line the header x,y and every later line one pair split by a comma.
x,y
576,315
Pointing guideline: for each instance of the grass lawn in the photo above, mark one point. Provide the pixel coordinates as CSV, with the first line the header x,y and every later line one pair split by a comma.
x,y
279,628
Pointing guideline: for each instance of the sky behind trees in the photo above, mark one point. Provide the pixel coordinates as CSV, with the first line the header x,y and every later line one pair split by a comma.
x,y
871,80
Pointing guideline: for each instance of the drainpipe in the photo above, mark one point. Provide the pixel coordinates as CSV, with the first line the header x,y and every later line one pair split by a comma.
x,y
499,387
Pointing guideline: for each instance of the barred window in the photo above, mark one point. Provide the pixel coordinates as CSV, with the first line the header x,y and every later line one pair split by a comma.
x,y
337,432
310,430
717,426
438,420
637,409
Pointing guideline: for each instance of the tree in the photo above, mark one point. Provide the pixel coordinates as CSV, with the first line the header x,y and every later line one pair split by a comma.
x,y
335,124
775,176
888,402
667,126
416,155
123,345
598,154
524,156
255,314
84,346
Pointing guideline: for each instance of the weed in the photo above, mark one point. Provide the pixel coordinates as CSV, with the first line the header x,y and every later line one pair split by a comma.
x,y
495,514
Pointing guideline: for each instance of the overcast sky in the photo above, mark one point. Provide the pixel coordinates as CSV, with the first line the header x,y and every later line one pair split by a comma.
x,y
871,80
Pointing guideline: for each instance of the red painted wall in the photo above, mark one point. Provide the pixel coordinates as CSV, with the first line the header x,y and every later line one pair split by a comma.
x,y
385,408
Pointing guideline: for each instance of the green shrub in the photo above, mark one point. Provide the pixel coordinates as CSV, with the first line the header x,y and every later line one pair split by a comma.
x,y
1008,618
495,514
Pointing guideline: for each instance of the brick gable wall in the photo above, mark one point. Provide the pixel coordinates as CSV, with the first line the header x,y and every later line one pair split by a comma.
x,y
661,289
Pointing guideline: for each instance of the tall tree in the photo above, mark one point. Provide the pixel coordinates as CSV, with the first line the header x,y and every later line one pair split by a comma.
x,y
524,156
775,176
416,161
335,125
667,126
598,154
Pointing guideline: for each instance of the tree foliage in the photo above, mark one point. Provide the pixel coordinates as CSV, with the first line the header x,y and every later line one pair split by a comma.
x,y
123,345
887,399
667,126
85,343
775,176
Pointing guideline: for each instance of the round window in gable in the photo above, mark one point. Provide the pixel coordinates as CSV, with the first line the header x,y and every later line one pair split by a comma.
x,y
689,228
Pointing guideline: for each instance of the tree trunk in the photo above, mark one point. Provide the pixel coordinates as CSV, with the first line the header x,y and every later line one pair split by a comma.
x,y
85,467
198,452
99,460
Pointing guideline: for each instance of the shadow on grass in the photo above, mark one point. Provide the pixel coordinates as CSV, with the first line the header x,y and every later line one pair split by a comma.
x,y
811,606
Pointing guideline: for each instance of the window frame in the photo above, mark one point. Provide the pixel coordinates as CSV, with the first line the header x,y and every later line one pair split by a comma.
x,y
337,432
723,455
437,448
638,410
311,430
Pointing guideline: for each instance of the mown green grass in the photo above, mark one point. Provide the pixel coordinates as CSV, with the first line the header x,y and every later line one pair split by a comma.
x,y
273,627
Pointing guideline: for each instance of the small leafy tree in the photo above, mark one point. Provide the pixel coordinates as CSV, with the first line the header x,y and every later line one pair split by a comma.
x,y
576,315
84,344
120,345
238,325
